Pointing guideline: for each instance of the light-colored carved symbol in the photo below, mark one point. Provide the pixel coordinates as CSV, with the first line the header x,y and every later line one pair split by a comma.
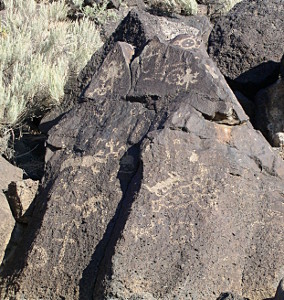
x,y
181,77
186,42
109,74
163,187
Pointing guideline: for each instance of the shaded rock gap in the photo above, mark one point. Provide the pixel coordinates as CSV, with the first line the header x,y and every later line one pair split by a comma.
x,y
105,268
130,166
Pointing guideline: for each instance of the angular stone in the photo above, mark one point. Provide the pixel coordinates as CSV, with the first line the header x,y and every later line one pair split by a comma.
x,y
113,78
20,195
7,174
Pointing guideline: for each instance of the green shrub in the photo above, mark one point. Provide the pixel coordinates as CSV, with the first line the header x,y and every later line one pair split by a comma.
x,y
184,7
97,12
39,48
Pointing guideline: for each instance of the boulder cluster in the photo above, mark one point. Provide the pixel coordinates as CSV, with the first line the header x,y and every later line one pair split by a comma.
x,y
157,184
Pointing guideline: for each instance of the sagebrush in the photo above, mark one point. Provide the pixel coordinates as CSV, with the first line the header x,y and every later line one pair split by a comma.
x,y
39,47
184,7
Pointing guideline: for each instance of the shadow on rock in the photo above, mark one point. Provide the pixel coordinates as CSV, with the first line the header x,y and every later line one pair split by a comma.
x,y
130,176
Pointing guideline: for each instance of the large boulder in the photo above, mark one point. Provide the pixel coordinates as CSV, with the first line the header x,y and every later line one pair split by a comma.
x,y
247,44
8,173
156,184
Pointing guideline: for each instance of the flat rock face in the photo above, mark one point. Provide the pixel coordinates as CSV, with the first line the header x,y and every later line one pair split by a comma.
x,y
200,215
138,28
8,173
247,41
156,185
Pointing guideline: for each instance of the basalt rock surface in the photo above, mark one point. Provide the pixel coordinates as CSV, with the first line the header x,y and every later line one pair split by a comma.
x,y
247,44
156,184
270,112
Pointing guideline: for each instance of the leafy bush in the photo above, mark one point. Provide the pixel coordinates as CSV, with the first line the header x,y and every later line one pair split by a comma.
x,y
185,7
39,48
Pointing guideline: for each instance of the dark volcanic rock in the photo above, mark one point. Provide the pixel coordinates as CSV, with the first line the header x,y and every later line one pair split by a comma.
x,y
2,5
280,290
247,43
270,113
247,104
137,29
155,183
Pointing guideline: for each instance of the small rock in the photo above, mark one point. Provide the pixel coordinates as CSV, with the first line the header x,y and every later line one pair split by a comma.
x,y
8,172
278,140
20,195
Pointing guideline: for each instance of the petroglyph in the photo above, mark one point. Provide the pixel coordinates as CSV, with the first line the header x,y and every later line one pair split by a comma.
x,y
172,29
86,161
107,79
115,153
93,160
186,42
109,76
90,206
163,187
40,254
156,67
180,77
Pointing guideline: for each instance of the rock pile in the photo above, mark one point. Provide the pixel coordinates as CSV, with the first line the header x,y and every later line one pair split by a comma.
x,y
156,184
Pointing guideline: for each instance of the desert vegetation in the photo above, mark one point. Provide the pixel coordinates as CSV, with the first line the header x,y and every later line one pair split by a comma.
x,y
184,7
40,47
